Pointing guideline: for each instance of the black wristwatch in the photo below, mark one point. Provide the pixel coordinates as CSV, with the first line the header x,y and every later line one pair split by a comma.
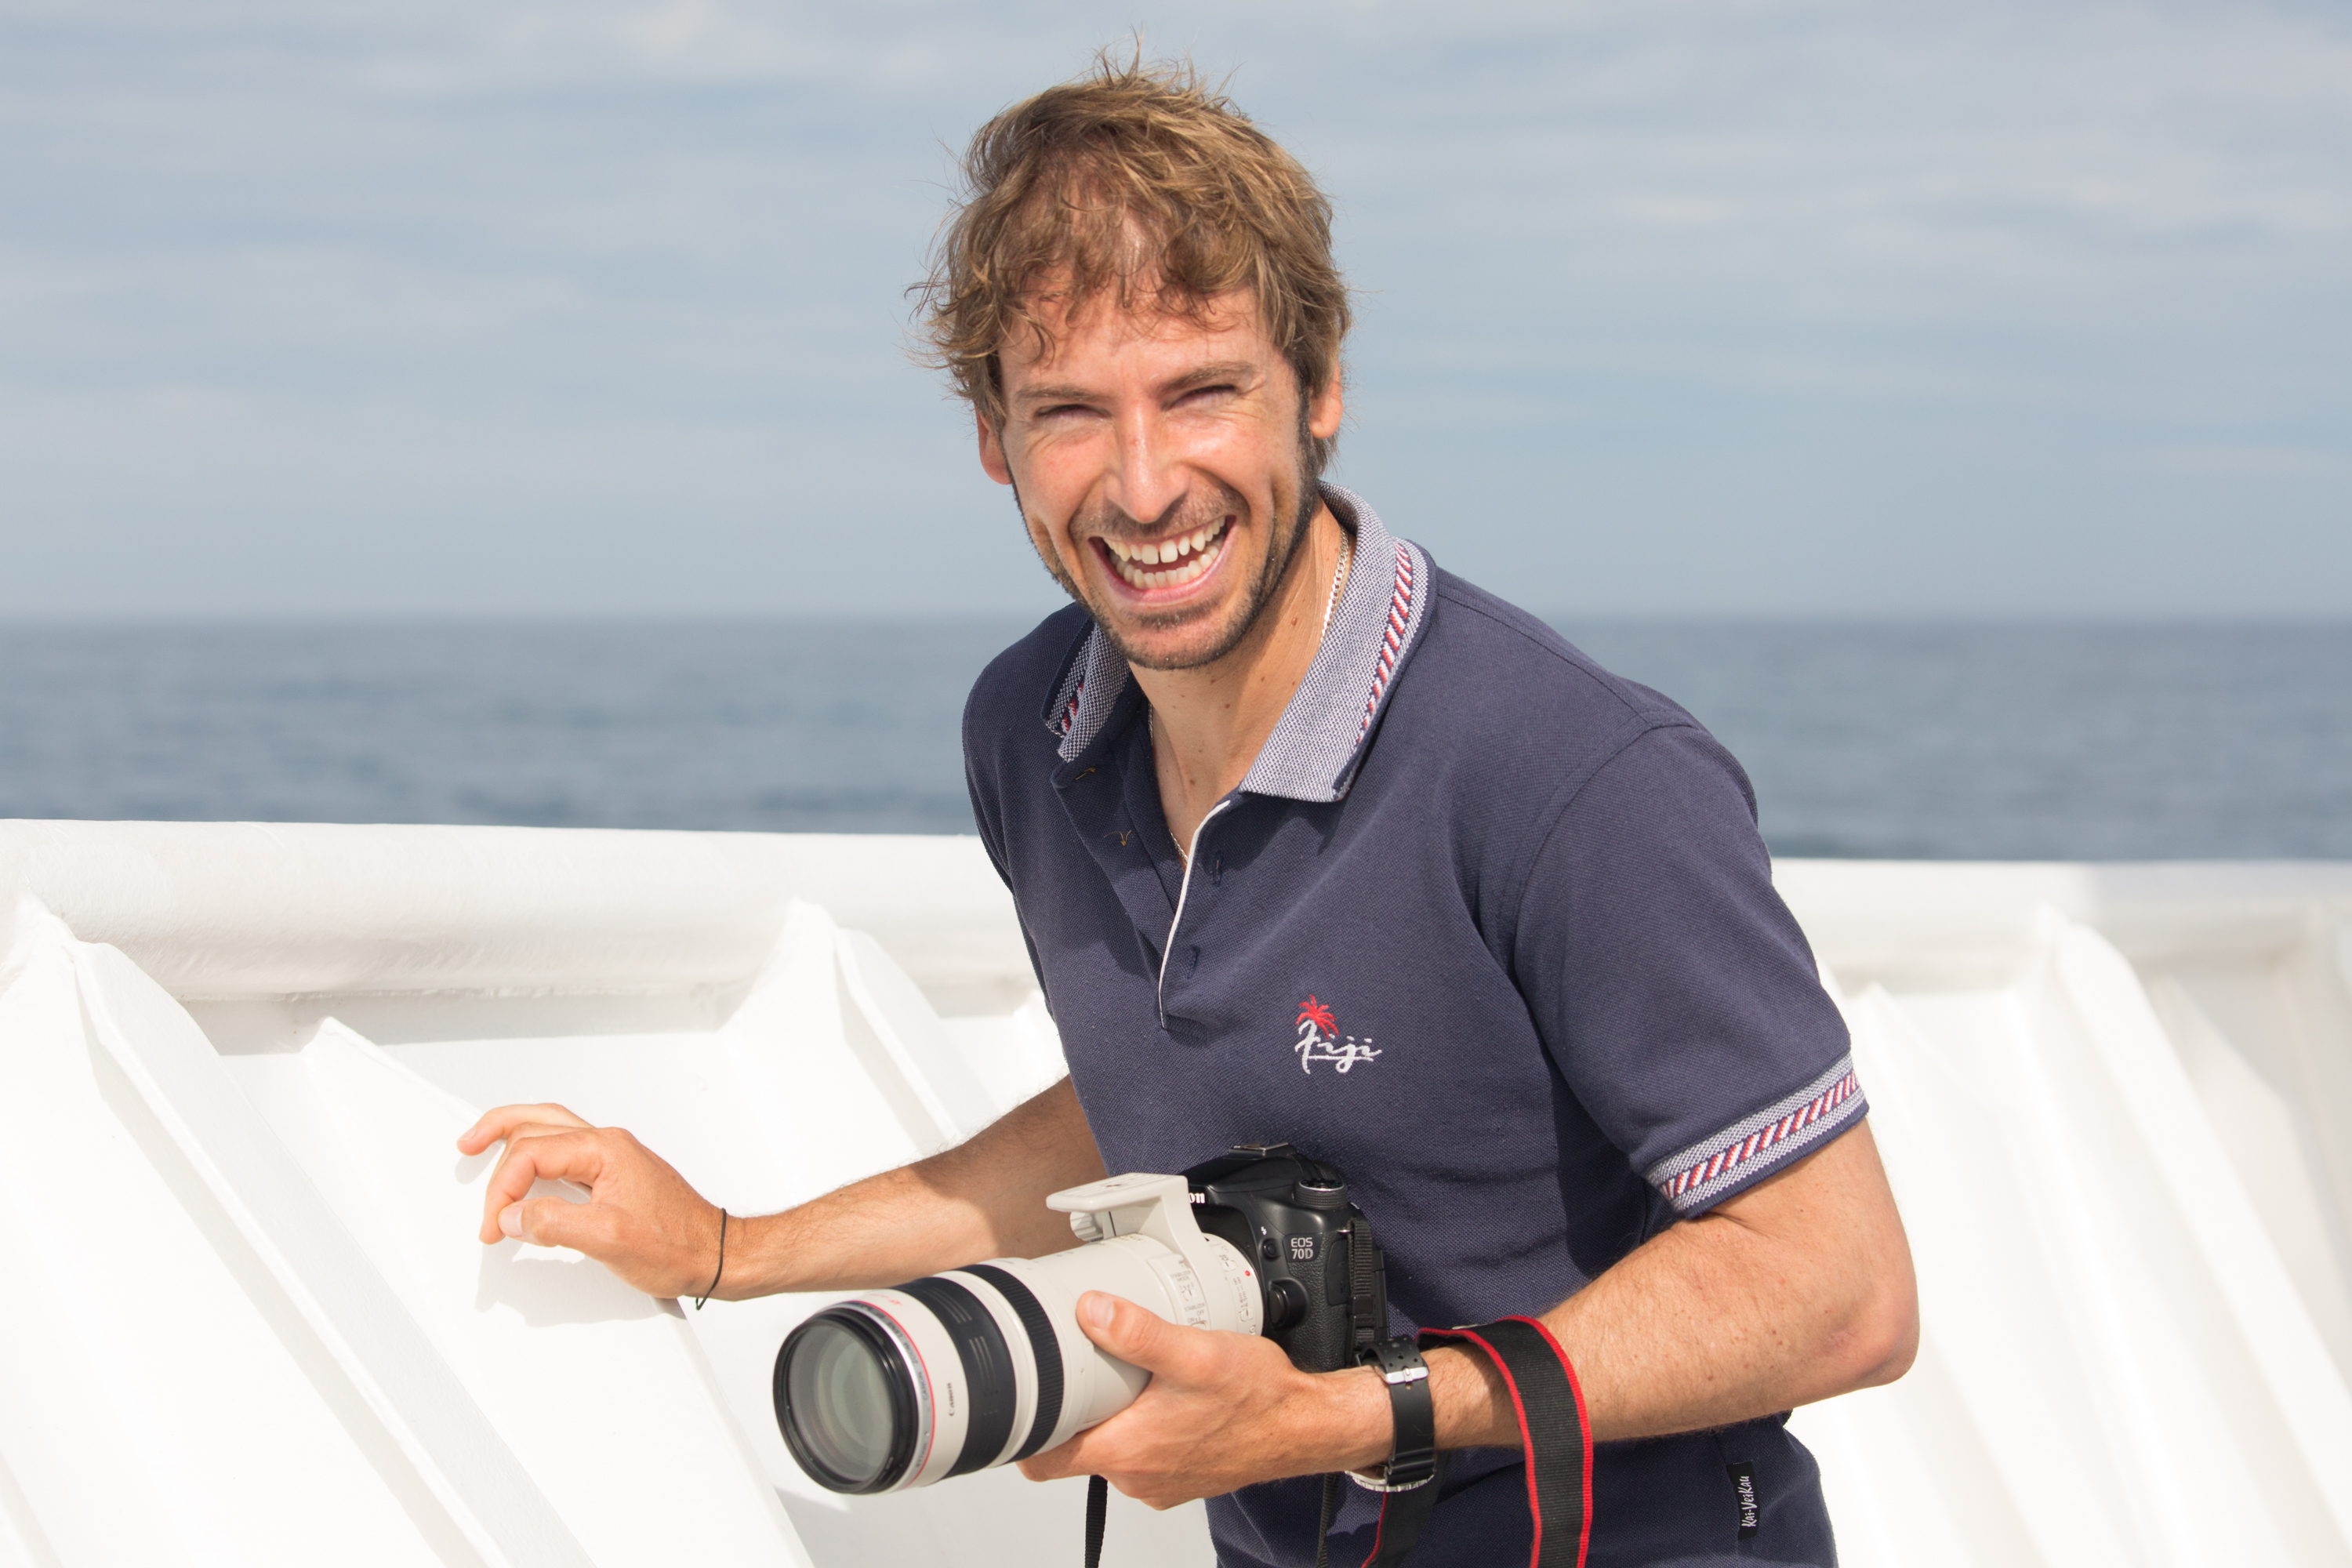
x,y
1414,1461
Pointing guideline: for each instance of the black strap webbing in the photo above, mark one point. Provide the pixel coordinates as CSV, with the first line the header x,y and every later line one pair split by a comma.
x,y
1367,1283
1553,1435
1323,1524
1097,1511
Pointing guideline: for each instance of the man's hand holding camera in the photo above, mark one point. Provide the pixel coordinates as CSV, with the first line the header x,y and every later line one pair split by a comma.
x,y
1224,1411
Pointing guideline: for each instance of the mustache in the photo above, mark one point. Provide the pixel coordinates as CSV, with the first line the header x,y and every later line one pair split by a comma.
x,y
1198,507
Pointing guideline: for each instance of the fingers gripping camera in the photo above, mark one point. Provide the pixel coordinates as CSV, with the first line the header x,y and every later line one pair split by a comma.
x,y
986,1365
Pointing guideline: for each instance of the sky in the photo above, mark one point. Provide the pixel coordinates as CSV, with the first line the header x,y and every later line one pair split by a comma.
x,y
1776,309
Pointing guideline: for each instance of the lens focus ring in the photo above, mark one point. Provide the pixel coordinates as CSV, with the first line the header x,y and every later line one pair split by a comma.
x,y
1044,1345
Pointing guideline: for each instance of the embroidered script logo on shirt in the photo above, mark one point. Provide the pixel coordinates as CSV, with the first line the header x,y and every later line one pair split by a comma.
x,y
1318,1041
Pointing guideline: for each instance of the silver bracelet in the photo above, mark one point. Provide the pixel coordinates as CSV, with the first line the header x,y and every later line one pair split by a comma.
x,y
1372,1486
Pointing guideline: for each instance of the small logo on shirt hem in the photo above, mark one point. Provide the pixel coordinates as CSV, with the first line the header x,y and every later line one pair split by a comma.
x,y
1743,1486
1320,1041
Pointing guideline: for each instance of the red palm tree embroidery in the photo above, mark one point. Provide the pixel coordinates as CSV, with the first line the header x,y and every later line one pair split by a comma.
x,y
1319,1016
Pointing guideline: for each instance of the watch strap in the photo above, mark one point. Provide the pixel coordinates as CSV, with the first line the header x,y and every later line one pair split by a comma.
x,y
1412,1461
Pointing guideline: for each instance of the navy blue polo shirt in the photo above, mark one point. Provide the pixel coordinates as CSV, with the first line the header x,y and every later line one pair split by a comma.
x,y
1486,927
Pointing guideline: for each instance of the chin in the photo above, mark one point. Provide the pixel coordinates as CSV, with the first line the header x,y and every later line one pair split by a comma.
x,y
1184,640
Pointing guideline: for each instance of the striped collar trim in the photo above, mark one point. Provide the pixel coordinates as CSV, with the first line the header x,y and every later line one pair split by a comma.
x,y
1316,745
1088,690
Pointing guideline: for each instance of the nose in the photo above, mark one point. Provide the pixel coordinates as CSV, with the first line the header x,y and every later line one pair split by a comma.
x,y
1146,481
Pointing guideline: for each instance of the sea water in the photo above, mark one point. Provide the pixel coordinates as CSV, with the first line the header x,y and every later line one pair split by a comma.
x,y
1994,741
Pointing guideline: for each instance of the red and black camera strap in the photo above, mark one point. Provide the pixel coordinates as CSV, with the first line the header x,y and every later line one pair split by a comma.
x,y
1553,1435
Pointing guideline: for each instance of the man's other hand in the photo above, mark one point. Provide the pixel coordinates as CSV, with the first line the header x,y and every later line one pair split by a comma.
x,y
1222,1411
641,1220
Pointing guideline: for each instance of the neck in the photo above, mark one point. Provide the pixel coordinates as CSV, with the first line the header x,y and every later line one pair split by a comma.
x,y
1209,723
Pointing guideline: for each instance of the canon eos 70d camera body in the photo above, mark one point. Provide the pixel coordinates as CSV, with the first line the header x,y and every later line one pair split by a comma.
x,y
981,1366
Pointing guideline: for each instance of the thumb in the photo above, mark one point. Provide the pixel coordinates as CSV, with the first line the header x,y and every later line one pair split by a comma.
x,y
1133,1333
542,1222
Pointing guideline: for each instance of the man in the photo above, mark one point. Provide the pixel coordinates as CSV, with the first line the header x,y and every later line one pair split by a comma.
x,y
1313,842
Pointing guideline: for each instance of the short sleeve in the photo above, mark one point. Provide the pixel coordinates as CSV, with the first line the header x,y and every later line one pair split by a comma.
x,y
984,802
1671,985
987,817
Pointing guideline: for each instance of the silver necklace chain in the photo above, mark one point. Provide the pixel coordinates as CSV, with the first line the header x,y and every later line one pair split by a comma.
x,y
1331,608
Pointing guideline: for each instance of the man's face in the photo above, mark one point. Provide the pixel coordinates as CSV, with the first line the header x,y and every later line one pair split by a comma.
x,y
1159,464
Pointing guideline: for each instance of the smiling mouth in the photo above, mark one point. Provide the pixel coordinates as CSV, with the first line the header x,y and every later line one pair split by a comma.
x,y
1167,563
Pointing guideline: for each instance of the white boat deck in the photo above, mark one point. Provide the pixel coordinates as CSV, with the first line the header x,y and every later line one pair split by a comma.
x,y
242,1317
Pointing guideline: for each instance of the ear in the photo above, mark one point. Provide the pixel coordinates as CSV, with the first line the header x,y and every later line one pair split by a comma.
x,y
1326,409
992,450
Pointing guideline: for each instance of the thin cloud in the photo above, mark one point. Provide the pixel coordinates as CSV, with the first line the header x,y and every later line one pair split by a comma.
x,y
560,277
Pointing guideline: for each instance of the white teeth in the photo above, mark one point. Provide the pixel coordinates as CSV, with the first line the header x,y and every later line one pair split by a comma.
x,y
1190,550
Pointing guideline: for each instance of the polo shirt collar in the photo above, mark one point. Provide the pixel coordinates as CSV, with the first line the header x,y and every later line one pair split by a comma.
x,y
1318,743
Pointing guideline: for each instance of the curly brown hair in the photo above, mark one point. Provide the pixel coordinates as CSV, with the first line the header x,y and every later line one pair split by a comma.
x,y
1142,183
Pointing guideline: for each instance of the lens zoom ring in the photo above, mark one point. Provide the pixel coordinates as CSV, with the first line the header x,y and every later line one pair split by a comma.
x,y
988,1378
1043,1344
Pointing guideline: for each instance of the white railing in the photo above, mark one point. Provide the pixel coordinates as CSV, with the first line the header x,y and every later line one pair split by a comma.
x,y
242,1317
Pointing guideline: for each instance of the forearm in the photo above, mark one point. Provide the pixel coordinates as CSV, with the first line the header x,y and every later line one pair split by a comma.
x,y
1797,1290
984,1198
1658,1347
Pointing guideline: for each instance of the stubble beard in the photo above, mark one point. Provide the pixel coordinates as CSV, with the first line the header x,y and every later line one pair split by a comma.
x,y
1184,518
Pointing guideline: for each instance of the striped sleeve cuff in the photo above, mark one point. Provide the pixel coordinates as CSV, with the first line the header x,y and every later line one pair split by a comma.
x,y
1694,1178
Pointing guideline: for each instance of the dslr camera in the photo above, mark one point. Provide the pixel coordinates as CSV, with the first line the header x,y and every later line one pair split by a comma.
x,y
986,1365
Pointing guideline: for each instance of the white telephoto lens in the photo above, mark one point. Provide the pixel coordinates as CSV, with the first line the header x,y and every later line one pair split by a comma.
x,y
986,1365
